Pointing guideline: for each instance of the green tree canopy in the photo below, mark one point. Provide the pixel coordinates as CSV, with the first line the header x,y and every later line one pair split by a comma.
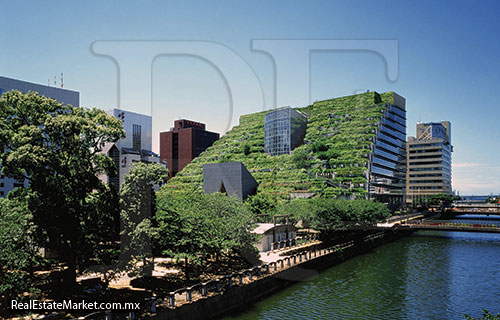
x,y
18,254
57,149
195,227
138,207
329,213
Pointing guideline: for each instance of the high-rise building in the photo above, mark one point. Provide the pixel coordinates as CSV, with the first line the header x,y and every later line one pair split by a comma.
x,y
135,147
63,96
387,165
184,142
429,161
285,129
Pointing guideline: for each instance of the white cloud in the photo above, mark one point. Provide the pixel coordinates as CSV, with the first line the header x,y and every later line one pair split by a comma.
x,y
466,165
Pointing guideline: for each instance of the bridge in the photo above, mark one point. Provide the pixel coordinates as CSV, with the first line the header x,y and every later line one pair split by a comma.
x,y
473,208
425,221
446,225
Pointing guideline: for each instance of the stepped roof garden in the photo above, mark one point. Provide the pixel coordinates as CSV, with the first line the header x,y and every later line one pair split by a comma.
x,y
332,161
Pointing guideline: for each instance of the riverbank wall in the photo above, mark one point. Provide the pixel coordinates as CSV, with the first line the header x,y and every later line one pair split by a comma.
x,y
242,289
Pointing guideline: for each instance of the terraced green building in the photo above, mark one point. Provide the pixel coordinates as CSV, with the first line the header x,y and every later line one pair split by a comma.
x,y
354,147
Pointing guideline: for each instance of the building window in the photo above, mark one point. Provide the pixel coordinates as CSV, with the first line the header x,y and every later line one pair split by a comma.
x,y
136,137
114,178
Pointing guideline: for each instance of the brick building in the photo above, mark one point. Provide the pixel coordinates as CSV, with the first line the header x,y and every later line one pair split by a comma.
x,y
184,142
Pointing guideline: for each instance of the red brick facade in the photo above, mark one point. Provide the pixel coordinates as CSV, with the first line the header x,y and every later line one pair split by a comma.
x,y
183,143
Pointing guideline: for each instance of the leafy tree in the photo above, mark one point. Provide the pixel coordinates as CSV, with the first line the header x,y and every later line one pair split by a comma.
x,y
204,226
18,255
262,203
138,207
329,213
442,199
299,211
300,158
57,149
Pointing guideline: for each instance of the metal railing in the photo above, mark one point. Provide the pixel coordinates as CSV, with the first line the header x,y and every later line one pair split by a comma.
x,y
244,277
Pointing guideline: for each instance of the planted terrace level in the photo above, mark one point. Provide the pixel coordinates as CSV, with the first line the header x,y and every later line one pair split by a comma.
x,y
354,147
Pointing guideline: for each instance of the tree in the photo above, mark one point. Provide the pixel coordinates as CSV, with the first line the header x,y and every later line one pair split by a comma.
x,y
262,203
195,227
298,210
138,207
300,158
441,199
57,149
18,255
329,213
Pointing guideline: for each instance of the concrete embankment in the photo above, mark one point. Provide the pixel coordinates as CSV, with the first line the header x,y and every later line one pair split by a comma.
x,y
239,293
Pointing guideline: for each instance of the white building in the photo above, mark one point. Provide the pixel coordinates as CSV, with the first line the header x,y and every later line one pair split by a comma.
x,y
135,147
274,236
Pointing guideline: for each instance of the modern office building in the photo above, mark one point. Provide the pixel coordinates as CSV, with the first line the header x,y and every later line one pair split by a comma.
x,y
387,165
64,96
285,129
429,161
184,142
135,147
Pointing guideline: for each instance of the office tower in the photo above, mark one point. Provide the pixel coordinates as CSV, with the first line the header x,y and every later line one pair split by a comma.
x,y
184,142
429,161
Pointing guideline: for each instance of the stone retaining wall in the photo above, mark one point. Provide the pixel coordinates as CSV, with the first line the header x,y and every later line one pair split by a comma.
x,y
278,276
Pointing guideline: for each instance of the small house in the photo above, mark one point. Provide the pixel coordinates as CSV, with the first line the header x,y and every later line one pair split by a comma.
x,y
275,236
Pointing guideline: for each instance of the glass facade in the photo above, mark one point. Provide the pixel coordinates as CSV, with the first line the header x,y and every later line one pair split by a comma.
x,y
136,137
387,174
285,129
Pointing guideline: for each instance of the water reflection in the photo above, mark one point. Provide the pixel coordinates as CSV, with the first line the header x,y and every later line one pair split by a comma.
x,y
430,275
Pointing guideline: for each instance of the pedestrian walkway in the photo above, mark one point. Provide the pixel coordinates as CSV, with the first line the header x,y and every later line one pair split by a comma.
x,y
273,256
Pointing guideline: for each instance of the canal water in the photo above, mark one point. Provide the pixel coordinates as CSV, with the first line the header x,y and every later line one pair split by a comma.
x,y
429,275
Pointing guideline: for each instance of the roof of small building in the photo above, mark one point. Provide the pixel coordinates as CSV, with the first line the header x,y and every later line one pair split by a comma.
x,y
264,227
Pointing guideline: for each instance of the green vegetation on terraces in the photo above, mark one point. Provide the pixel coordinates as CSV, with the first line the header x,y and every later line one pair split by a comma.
x,y
339,134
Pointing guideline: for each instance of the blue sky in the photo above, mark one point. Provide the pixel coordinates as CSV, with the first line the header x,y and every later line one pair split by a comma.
x,y
448,61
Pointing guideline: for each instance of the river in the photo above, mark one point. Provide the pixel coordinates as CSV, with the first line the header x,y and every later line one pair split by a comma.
x,y
429,275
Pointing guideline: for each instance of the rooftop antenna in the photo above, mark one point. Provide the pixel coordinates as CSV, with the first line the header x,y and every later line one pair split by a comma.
x,y
62,84
48,82
55,81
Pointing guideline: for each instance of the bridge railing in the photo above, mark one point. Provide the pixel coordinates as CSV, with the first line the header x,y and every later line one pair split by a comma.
x,y
478,224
